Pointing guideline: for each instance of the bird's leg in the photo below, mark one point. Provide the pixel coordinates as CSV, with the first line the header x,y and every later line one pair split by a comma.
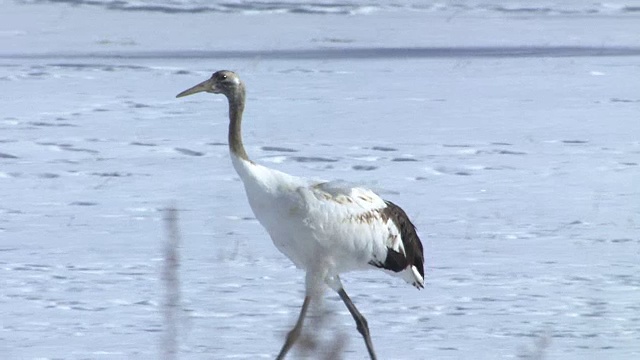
x,y
293,335
361,322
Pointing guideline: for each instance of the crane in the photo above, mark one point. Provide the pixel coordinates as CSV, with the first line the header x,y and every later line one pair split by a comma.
x,y
324,228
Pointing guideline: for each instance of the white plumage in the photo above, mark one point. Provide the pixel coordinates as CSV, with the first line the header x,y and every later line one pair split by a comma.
x,y
325,228
322,226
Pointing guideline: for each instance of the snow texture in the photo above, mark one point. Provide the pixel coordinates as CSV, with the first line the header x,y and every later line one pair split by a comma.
x,y
508,131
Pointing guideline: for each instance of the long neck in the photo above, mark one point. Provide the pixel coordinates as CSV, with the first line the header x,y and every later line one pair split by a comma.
x,y
236,107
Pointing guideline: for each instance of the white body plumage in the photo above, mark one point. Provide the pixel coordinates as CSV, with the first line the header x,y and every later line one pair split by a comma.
x,y
323,227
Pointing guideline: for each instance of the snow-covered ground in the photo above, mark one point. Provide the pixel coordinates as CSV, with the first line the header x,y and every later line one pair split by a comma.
x,y
509,131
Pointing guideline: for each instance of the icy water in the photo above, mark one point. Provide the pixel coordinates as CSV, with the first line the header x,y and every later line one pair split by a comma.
x,y
355,7
517,154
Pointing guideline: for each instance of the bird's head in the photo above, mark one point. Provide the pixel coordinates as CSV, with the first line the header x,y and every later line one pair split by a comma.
x,y
221,82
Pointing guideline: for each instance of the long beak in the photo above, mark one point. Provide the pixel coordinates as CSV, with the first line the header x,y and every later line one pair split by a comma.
x,y
203,86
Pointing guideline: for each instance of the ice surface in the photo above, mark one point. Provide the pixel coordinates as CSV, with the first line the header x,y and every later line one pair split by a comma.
x,y
521,170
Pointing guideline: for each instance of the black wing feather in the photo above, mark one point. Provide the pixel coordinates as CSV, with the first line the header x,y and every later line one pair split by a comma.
x,y
396,261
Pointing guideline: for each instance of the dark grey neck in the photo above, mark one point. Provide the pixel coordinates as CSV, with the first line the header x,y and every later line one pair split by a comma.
x,y
236,107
